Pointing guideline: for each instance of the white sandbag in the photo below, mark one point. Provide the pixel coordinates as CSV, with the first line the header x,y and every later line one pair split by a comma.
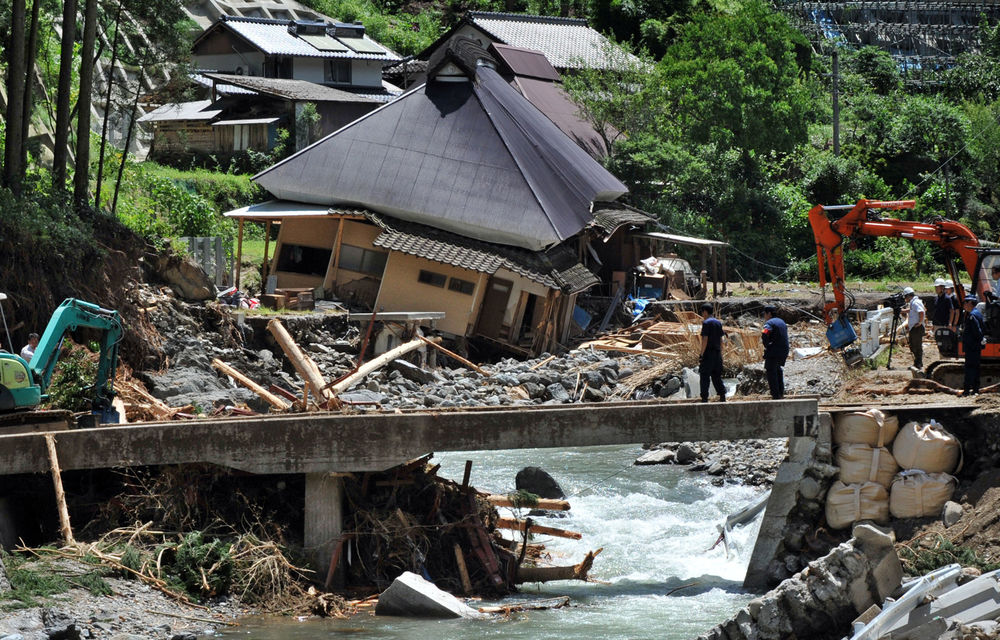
x,y
915,494
860,463
848,503
928,447
872,427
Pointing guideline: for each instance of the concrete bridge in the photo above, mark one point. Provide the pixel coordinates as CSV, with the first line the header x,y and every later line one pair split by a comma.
x,y
317,444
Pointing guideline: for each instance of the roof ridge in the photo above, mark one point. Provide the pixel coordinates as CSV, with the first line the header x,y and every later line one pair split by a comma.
x,y
278,21
527,17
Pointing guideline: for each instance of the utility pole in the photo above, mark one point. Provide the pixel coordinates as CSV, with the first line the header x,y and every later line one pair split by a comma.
x,y
836,103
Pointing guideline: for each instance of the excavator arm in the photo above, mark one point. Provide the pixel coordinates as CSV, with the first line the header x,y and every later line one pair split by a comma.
x,y
861,220
69,316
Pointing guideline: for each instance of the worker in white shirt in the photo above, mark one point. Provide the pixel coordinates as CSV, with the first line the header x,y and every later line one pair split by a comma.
x,y
28,351
995,274
915,326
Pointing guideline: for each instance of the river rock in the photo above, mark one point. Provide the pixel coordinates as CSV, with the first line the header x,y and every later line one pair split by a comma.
x,y
951,513
538,481
656,456
409,595
685,454
187,279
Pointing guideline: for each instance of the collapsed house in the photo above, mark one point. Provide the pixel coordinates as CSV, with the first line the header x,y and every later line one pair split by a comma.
x,y
458,197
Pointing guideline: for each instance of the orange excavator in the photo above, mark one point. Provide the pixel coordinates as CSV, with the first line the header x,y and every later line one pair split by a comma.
x,y
864,219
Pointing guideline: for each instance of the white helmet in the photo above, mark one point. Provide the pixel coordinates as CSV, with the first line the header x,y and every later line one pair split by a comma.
x,y
939,282
948,284
908,291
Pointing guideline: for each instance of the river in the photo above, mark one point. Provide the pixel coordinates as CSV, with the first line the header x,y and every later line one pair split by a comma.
x,y
655,524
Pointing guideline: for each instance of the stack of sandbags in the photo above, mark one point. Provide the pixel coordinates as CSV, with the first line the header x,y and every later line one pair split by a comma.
x,y
866,466
928,453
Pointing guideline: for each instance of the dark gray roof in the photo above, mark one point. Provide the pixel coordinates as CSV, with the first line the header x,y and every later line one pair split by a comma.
x,y
610,216
557,268
273,38
290,89
473,158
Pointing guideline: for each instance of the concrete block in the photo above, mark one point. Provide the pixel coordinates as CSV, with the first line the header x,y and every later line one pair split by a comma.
x,y
409,595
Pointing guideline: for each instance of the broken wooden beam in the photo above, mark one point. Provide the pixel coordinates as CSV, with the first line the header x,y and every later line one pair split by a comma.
x,y
303,364
278,403
538,605
519,525
454,356
545,504
548,574
378,363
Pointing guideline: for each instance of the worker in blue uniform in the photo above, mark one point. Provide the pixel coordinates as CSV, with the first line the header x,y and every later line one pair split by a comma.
x,y
775,338
711,353
972,342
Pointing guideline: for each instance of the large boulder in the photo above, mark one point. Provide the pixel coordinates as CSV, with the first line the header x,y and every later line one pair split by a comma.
x,y
411,596
537,481
187,279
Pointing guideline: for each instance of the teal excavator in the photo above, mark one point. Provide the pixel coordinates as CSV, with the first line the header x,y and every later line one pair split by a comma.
x,y
24,385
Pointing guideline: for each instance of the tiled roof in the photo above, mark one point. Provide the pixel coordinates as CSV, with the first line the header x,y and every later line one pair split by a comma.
x,y
290,89
557,268
568,43
609,216
272,37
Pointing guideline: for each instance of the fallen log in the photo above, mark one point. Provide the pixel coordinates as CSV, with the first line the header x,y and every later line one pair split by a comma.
x,y
545,504
303,364
548,574
454,356
378,363
278,403
518,525
549,603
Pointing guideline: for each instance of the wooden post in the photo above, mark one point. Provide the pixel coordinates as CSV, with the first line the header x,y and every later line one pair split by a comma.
x,y
64,526
463,571
715,273
239,254
270,398
304,366
725,271
330,279
267,263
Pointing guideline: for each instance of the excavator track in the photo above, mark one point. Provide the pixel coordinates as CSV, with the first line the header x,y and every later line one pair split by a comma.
x,y
29,421
951,373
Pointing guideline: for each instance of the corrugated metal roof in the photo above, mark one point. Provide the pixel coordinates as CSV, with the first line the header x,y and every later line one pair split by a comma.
x,y
277,209
552,100
568,43
291,89
198,110
272,37
557,268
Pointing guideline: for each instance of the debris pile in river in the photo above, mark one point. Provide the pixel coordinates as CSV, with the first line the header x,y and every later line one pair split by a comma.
x,y
410,519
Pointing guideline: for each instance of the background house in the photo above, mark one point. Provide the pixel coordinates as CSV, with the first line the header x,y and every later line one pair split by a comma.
x,y
258,75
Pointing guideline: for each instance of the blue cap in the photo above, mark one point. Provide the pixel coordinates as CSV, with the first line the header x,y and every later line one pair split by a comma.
x,y
971,298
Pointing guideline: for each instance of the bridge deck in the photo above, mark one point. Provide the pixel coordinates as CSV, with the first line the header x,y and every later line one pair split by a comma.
x,y
312,443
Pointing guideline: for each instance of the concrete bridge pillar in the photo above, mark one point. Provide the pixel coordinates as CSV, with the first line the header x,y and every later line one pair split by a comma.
x,y
324,519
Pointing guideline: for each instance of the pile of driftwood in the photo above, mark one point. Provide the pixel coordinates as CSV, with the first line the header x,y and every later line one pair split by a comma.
x,y
410,519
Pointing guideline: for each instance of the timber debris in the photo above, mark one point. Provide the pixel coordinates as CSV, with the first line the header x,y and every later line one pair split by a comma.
x,y
409,519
